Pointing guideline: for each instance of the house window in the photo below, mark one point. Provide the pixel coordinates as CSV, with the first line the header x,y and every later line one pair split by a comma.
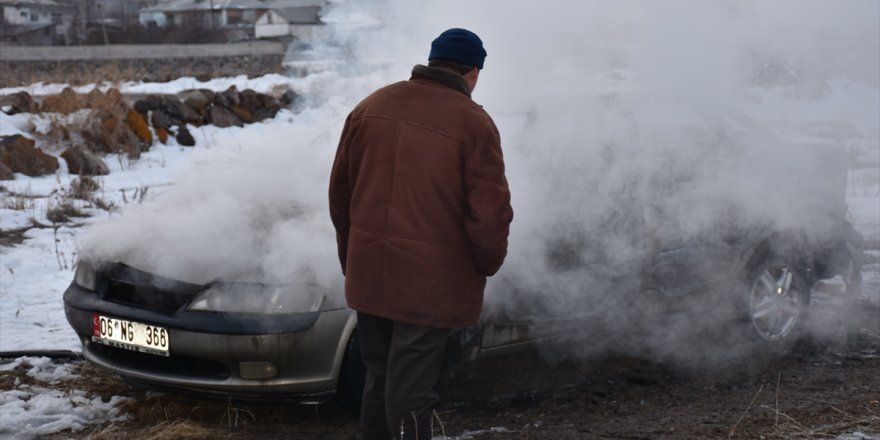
x,y
25,14
56,18
35,17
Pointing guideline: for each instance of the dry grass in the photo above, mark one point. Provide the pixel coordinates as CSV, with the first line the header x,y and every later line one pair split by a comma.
x,y
138,195
82,188
16,377
12,237
102,204
846,423
63,211
19,201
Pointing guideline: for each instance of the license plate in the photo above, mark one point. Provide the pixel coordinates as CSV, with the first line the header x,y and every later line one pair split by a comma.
x,y
130,335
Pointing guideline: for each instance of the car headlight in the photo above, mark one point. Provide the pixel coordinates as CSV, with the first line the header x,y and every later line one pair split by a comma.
x,y
258,298
86,275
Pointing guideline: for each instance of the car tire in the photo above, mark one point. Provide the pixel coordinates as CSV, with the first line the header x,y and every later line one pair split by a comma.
x,y
777,302
352,375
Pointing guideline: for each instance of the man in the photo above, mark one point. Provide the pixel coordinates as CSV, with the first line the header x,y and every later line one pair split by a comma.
x,y
421,207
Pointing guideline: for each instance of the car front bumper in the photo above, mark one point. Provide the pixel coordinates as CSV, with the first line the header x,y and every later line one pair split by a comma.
x,y
296,363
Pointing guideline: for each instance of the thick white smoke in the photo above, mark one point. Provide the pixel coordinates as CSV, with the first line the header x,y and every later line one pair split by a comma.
x,y
619,120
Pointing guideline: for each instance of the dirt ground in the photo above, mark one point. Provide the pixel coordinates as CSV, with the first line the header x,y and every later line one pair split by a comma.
x,y
811,393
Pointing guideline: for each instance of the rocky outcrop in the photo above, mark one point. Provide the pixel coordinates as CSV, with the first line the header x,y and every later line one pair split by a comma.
x,y
185,138
223,117
160,119
65,102
198,99
83,162
20,102
138,125
162,134
6,173
242,113
288,97
197,107
109,133
114,126
149,104
20,155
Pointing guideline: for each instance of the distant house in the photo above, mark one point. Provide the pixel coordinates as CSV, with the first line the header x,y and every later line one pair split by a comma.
x,y
298,22
259,18
34,21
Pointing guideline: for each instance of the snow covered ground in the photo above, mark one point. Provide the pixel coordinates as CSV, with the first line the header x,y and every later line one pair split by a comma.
x,y
35,409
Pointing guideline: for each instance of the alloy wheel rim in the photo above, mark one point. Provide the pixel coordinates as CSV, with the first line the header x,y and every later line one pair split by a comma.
x,y
775,303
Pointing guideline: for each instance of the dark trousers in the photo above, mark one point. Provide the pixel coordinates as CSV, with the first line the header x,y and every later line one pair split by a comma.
x,y
403,363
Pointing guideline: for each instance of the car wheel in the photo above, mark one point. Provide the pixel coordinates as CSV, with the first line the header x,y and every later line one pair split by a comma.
x,y
778,301
352,375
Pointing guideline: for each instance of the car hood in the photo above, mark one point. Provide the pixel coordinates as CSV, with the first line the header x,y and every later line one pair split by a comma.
x,y
120,273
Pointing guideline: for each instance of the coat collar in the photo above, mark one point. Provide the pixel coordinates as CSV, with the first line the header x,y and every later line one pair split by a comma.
x,y
441,76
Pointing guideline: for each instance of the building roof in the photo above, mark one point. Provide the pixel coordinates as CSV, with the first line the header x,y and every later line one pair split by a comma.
x,y
204,5
304,14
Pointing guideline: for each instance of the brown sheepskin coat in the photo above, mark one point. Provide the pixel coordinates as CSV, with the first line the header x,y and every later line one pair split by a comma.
x,y
420,202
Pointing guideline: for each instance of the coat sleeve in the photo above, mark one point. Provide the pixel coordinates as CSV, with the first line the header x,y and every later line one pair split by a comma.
x,y
487,224
340,192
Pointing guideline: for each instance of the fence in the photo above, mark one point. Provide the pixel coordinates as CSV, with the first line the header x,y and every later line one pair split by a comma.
x,y
21,65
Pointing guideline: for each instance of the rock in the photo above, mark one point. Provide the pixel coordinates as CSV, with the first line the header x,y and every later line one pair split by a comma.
x,y
149,104
139,127
271,104
191,116
198,99
94,98
113,102
222,117
6,173
184,137
20,102
221,100
141,107
242,113
250,100
109,134
160,119
173,107
262,114
57,134
162,134
269,107
83,162
65,102
20,155
232,95
288,97
114,95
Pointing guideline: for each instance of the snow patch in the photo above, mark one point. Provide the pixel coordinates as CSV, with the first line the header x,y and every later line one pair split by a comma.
x,y
31,411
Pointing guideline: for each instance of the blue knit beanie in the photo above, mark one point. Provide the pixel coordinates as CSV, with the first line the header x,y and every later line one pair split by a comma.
x,y
458,45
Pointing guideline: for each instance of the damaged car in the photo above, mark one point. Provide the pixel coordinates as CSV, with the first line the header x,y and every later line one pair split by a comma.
x,y
252,339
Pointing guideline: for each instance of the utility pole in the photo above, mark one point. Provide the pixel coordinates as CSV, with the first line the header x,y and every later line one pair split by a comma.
x,y
122,15
103,25
212,15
